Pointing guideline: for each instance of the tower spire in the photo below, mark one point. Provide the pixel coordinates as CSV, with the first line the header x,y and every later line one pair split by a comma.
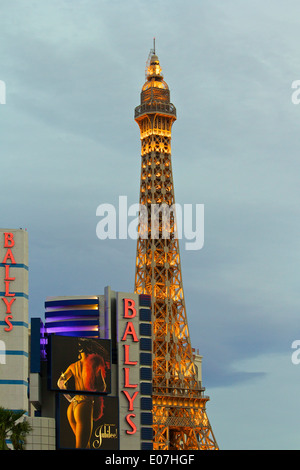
x,y
179,403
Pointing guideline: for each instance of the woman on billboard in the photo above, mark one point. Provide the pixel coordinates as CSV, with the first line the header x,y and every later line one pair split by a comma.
x,y
89,374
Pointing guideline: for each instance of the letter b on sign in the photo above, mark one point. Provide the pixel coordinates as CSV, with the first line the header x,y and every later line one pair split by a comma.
x,y
129,308
8,240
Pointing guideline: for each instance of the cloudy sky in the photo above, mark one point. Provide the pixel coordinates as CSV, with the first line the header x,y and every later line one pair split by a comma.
x,y
68,142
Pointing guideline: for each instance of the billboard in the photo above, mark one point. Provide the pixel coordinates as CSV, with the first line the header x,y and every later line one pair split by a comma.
x,y
80,364
87,422
80,370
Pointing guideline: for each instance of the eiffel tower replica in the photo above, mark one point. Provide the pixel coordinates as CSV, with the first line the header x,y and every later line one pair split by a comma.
x,y
180,421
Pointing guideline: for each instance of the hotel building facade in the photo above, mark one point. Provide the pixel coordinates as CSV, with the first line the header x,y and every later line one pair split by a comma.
x,y
83,375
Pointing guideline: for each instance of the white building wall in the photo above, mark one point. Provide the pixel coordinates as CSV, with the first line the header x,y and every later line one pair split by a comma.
x,y
42,436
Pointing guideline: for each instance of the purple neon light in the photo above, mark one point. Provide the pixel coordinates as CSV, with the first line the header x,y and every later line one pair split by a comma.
x,y
72,307
63,329
69,318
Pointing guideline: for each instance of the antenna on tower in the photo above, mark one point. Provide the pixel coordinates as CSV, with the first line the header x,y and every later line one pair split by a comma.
x,y
152,51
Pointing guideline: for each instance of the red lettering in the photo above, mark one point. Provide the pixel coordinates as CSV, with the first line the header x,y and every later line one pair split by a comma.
x,y
7,294
129,305
8,304
9,240
7,278
130,312
131,424
7,321
129,330
130,399
10,256
126,379
127,362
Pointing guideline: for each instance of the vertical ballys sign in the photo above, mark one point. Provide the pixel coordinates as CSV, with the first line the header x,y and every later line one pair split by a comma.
x,y
134,376
129,386
8,297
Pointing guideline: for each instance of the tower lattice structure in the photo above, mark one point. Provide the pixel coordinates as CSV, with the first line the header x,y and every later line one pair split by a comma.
x,y
179,405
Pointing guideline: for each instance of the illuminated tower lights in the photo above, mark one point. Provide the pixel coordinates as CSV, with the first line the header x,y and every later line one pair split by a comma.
x,y
179,404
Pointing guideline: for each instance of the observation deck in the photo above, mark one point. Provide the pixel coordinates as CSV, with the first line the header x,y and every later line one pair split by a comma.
x,y
153,108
